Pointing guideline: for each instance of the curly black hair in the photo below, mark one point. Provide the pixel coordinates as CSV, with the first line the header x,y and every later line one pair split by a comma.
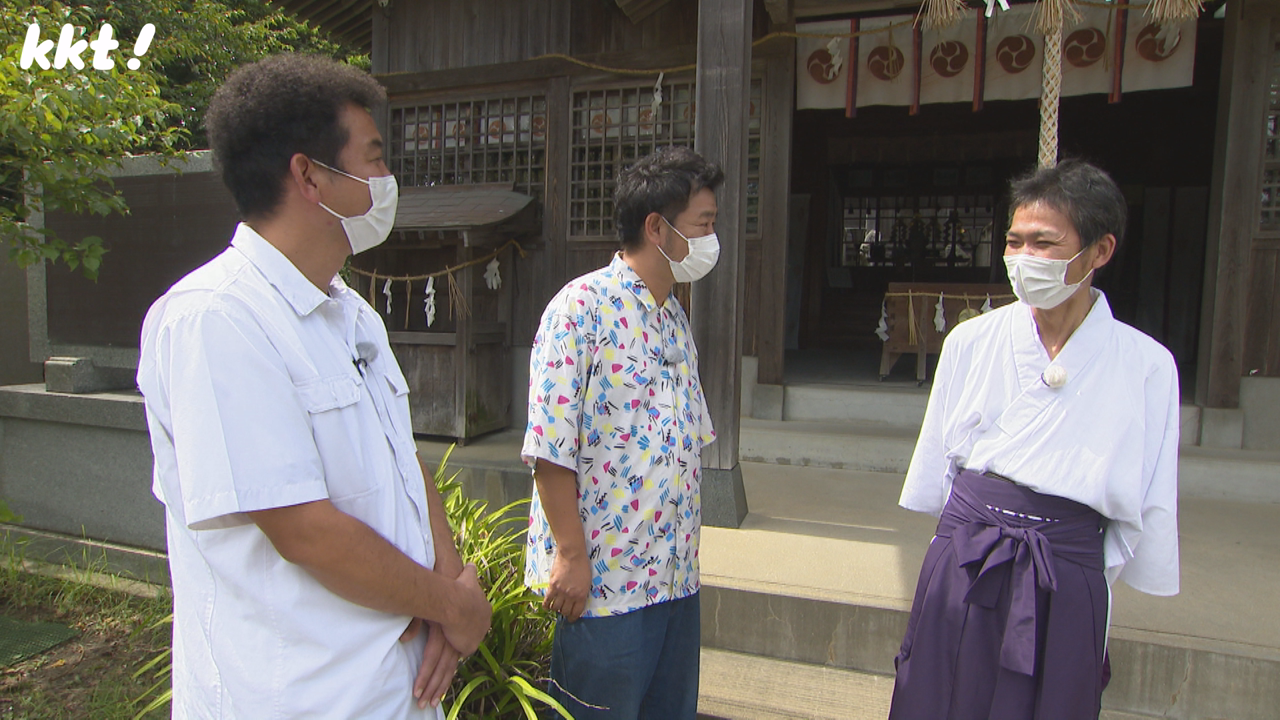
x,y
1083,192
660,182
271,109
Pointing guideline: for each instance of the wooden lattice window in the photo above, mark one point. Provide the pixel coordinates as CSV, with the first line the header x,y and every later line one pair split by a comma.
x,y
1269,219
494,140
615,126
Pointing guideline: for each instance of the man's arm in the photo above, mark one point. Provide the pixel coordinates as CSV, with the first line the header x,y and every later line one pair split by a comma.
x,y
570,582
448,561
354,562
439,658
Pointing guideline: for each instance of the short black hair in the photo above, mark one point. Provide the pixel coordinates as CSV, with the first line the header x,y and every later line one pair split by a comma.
x,y
271,109
660,182
1083,192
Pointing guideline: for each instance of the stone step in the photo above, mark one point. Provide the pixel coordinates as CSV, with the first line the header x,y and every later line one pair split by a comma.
x,y
824,567
737,686
895,406
901,407
1156,674
851,445
1238,475
869,446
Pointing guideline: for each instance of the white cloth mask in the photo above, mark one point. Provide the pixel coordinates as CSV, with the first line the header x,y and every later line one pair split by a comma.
x,y
1041,282
372,228
703,253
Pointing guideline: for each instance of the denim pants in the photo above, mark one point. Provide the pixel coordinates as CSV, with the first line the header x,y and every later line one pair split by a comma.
x,y
639,666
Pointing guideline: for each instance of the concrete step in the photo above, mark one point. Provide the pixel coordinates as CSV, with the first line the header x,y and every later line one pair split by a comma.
x,y
901,407
864,445
870,446
737,686
898,406
1239,475
823,570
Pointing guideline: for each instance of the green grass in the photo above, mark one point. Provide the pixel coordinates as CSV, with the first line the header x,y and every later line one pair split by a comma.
x,y
120,663
90,676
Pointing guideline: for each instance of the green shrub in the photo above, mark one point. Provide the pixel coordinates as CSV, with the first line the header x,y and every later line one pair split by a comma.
x,y
499,681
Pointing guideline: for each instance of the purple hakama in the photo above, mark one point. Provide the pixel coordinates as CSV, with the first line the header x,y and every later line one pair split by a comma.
x,y
1010,612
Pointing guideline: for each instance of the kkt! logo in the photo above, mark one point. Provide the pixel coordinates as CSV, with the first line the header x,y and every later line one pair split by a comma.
x,y
69,48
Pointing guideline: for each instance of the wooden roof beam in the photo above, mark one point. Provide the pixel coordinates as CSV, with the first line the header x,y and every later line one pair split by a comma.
x,y
637,10
354,25
340,14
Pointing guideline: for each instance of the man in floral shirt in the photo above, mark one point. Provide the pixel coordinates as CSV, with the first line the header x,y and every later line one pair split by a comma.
x,y
617,421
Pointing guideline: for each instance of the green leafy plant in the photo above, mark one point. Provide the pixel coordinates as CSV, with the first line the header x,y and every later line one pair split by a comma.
x,y
62,131
500,680
7,515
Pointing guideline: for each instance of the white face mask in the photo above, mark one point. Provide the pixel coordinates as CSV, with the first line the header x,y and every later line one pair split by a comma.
x,y
372,228
1041,282
703,253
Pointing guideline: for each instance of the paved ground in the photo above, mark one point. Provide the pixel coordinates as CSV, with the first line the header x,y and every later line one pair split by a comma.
x,y
839,534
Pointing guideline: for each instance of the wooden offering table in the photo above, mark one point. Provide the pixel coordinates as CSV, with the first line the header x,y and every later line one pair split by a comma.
x,y
910,314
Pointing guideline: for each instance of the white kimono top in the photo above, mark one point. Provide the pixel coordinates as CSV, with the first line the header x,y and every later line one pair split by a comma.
x,y
1107,438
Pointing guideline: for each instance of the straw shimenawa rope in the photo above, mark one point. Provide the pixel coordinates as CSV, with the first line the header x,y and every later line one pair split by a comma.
x,y
1173,12
936,14
456,298
941,13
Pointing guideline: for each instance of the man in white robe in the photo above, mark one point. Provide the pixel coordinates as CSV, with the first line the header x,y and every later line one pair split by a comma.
x,y
1049,401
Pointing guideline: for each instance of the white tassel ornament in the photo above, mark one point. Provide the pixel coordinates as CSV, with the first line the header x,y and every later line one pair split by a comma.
x,y
882,330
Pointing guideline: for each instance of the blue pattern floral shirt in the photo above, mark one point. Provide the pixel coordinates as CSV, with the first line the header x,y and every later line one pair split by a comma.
x,y
614,394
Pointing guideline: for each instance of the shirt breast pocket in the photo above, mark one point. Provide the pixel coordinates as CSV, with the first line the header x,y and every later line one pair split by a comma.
x,y
332,403
328,393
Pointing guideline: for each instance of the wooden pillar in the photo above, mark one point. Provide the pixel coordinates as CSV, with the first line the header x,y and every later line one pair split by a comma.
x,y
1233,204
775,194
723,92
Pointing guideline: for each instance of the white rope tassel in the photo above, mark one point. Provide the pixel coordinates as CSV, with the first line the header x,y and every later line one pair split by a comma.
x,y
940,316
1049,96
386,290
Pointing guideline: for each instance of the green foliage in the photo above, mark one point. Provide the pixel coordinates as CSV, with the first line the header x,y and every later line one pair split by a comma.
x,y
499,680
117,622
199,42
7,515
159,672
61,131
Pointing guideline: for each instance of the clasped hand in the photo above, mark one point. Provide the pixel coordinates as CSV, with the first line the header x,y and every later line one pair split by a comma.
x,y
447,645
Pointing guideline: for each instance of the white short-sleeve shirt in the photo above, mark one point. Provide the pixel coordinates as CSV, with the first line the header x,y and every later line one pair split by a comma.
x,y
262,391
614,394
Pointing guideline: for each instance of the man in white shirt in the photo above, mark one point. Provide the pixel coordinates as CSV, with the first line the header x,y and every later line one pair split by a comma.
x,y
1049,450
617,420
308,551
